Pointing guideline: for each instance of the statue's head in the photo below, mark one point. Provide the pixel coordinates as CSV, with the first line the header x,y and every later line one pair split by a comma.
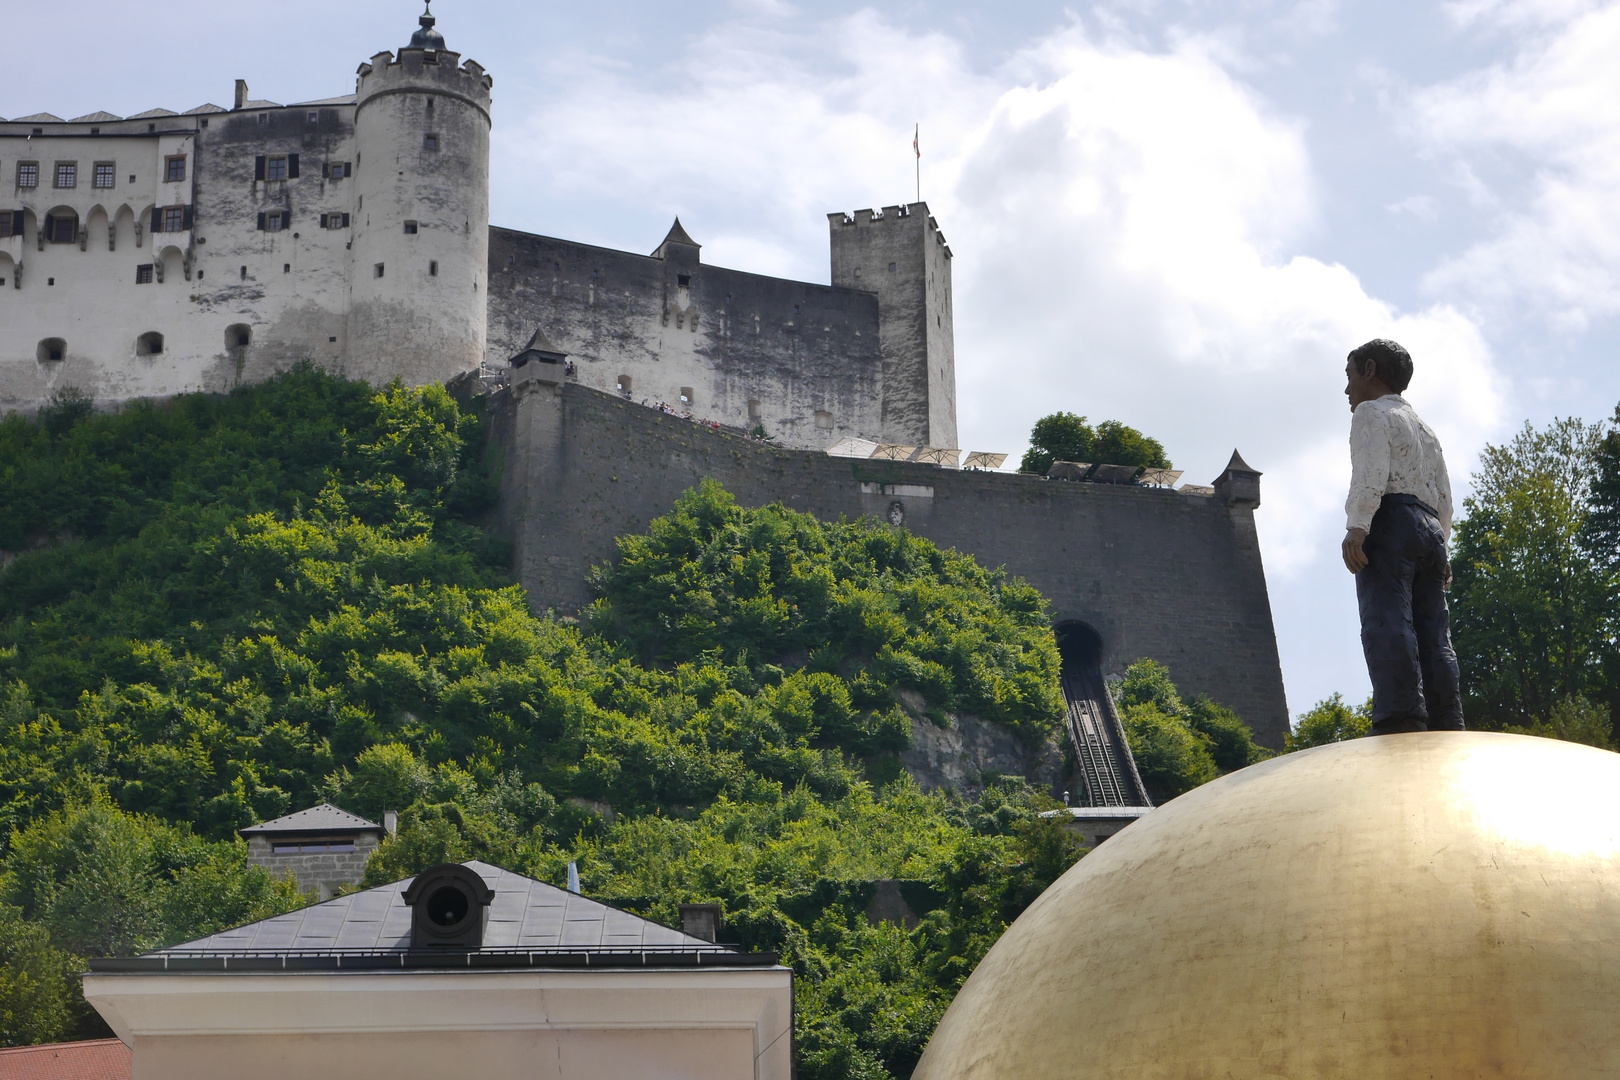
x,y
1386,360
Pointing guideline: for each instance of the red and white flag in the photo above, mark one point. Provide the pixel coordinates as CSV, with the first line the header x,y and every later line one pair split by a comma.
x,y
914,133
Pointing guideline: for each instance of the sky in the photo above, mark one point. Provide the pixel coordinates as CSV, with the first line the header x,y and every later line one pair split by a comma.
x,y
1173,213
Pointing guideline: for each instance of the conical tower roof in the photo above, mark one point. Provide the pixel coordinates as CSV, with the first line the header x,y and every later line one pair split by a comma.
x,y
677,235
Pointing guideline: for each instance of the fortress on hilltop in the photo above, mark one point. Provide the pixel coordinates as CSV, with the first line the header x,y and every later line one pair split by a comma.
x,y
167,252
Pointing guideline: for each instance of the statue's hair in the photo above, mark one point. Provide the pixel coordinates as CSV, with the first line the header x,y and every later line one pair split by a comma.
x,y
1387,360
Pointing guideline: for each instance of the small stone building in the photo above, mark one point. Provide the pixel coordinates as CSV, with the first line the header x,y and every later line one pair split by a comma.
x,y
324,848
464,970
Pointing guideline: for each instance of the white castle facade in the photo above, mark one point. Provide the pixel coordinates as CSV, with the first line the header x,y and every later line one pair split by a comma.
x,y
169,252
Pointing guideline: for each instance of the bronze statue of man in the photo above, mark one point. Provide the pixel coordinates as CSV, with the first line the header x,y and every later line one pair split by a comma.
x,y
1397,528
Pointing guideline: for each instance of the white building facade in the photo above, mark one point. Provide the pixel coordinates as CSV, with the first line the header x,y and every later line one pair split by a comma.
x,y
164,253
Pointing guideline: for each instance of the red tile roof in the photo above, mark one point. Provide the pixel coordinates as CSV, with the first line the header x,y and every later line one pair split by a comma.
x,y
93,1059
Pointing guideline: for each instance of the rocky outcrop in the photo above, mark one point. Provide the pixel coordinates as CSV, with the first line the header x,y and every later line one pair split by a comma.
x,y
965,755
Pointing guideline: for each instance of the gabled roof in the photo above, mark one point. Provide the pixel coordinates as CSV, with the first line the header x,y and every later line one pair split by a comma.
x,y
208,107
150,113
101,117
324,818
39,118
525,915
92,1059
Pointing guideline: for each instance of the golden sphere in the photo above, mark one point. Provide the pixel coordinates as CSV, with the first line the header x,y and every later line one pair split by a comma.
x,y
1437,905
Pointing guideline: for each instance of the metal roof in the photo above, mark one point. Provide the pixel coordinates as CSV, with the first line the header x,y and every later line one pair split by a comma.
x,y
525,916
324,818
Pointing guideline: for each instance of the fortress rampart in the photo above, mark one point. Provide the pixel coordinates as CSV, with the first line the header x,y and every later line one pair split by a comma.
x,y
1156,573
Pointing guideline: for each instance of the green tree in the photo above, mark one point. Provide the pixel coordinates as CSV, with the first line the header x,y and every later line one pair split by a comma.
x,y
36,983
1329,721
1534,611
1179,745
1063,436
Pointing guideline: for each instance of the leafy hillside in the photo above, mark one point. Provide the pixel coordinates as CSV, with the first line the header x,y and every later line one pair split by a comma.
x,y
222,609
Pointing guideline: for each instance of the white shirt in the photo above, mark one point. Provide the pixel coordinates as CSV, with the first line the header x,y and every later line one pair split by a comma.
x,y
1393,452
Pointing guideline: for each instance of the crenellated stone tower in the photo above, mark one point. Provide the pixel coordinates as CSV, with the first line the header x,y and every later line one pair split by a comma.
x,y
419,300
900,254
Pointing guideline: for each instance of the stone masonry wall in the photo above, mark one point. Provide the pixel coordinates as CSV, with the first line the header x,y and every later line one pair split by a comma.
x,y
1157,573
320,873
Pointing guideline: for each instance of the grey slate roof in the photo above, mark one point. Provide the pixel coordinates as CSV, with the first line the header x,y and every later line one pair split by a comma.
x,y
525,915
324,818
150,113
39,118
94,118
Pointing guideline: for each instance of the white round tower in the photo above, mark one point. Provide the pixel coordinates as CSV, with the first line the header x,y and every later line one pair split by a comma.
x,y
420,252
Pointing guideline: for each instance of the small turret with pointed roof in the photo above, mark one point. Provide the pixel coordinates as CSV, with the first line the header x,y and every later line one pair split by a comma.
x,y
539,348
677,236
427,37
1239,485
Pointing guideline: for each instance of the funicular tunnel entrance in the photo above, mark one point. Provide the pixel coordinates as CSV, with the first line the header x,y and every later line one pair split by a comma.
x,y
1094,727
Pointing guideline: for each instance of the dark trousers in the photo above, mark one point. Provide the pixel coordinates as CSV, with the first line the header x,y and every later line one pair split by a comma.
x,y
1405,628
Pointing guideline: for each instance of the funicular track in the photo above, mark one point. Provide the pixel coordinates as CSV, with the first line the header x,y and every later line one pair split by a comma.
x,y
1095,731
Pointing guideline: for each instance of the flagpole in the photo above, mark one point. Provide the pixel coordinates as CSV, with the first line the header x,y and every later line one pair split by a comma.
x,y
916,132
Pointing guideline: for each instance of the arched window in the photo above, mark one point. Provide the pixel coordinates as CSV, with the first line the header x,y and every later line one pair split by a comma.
x,y
51,348
238,335
149,344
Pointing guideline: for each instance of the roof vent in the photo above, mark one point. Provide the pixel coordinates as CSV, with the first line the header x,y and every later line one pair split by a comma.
x,y
449,906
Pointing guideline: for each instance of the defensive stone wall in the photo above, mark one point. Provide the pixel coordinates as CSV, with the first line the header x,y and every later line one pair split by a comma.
x,y
1157,573
321,873
803,360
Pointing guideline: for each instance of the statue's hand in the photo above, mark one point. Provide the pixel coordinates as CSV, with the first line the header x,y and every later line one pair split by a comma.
x,y
1355,559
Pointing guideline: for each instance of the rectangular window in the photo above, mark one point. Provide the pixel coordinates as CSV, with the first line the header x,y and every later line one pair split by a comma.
x,y
175,169
103,177
67,174
334,221
410,228
273,220
433,268
143,274
62,230
430,142
264,118
174,219
314,117
312,847
28,174
275,168
377,271
10,223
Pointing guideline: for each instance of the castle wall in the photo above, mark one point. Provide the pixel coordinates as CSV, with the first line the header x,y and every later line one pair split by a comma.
x,y
1158,573
306,290
753,349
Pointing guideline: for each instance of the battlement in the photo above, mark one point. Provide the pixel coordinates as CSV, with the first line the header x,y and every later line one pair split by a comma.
x,y
901,214
388,72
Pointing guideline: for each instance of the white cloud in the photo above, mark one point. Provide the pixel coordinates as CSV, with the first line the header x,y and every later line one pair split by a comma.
x,y
1126,225
1554,112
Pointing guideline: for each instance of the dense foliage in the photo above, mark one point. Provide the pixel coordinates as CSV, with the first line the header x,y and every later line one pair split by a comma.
x,y
222,609
1178,744
1063,436
1536,592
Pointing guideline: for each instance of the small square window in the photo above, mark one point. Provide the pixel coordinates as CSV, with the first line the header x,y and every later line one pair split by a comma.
x,y
143,274
275,168
132,178
891,268
175,169
377,271
103,177
275,221
314,117
683,279
67,174
264,118
410,228
430,142
27,174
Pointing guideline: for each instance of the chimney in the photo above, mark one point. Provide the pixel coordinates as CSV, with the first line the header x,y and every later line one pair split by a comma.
x,y
701,921
241,93
391,821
